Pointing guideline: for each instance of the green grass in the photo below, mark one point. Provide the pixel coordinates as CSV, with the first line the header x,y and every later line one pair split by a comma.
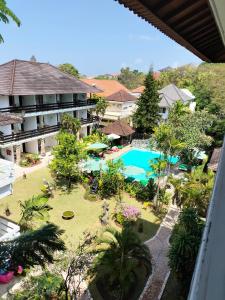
x,y
86,212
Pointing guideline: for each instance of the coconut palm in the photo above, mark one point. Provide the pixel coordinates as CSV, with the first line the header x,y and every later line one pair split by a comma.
x,y
5,15
31,248
120,256
34,209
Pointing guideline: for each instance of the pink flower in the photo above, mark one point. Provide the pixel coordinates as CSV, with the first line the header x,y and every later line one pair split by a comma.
x,y
131,213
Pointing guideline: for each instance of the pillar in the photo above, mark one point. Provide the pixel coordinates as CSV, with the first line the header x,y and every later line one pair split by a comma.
x,y
18,154
43,152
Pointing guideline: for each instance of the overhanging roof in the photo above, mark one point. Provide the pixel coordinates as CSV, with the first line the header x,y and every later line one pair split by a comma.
x,y
19,77
194,24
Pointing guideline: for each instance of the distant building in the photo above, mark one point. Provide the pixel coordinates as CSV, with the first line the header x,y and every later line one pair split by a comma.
x,y
170,94
121,103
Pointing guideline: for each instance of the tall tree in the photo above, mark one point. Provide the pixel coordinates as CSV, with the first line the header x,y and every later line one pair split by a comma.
x,y
131,78
101,105
147,114
70,69
185,241
119,257
5,15
31,248
70,124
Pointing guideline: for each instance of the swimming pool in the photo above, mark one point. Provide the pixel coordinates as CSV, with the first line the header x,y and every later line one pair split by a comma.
x,y
141,159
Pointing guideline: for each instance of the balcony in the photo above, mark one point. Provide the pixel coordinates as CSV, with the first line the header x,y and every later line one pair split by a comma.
x,y
12,138
46,107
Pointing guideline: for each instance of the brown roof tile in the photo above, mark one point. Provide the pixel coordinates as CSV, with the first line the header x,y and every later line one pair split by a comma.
x,y
121,96
8,118
119,127
108,86
19,77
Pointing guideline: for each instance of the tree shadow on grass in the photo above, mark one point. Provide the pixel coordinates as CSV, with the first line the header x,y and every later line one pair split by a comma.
x,y
98,287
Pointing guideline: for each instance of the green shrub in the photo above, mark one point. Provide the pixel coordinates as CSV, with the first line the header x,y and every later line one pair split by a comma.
x,y
45,286
29,159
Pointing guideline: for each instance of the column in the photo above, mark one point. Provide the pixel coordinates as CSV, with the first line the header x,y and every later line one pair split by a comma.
x,y
18,154
43,152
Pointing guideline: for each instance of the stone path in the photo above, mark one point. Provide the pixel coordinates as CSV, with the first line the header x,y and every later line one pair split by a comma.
x,y
158,247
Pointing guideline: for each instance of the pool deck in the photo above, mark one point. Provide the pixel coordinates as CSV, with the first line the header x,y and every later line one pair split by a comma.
x,y
119,153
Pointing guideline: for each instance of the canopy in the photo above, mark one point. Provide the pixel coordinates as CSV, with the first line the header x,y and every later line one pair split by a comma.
x,y
97,146
113,136
92,165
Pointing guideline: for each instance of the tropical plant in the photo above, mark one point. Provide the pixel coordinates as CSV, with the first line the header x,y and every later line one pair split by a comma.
x,y
69,69
101,105
31,248
147,114
33,210
158,167
120,256
185,241
5,15
44,286
70,124
148,192
111,181
126,214
194,189
67,154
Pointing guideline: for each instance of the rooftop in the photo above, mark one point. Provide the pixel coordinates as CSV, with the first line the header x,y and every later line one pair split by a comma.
x,y
108,86
121,96
19,77
171,93
119,127
198,25
7,118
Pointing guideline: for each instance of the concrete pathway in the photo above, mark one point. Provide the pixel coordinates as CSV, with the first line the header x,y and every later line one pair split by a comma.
x,y
159,246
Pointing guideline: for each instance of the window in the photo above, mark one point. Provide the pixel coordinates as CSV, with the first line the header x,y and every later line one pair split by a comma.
x,y
162,110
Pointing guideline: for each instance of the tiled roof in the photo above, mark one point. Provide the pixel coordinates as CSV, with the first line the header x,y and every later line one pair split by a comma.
x,y
108,87
171,93
119,127
8,118
139,89
19,77
121,96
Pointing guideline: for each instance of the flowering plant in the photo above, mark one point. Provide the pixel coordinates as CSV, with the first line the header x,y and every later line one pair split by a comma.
x,y
127,213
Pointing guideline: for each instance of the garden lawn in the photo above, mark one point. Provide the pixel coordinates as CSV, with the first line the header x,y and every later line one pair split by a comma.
x,y
86,212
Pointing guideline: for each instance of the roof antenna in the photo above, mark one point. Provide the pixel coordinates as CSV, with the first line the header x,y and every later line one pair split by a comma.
x,y
33,58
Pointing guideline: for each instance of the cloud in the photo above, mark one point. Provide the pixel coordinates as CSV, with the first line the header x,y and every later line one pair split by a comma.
x,y
142,37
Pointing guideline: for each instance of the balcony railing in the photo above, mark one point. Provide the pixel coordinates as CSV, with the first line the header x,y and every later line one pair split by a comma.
x,y
9,138
46,107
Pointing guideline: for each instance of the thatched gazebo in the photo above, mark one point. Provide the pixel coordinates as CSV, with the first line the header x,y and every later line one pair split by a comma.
x,y
120,128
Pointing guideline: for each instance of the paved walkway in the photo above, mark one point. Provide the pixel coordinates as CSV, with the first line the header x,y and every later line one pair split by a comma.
x,y
159,246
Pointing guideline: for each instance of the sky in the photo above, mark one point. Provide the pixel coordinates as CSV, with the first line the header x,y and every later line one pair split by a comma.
x,y
96,36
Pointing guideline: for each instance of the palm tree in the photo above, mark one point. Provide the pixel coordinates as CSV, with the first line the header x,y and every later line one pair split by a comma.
x,y
101,105
120,256
5,15
70,124
34,209
31,248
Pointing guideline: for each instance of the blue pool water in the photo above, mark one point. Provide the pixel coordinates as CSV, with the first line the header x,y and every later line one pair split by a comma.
x,y
141,159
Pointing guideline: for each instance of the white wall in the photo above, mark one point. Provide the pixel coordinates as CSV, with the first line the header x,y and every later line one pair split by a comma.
x,y
32,147
50,141
8,153
29,100
4,101
30,123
